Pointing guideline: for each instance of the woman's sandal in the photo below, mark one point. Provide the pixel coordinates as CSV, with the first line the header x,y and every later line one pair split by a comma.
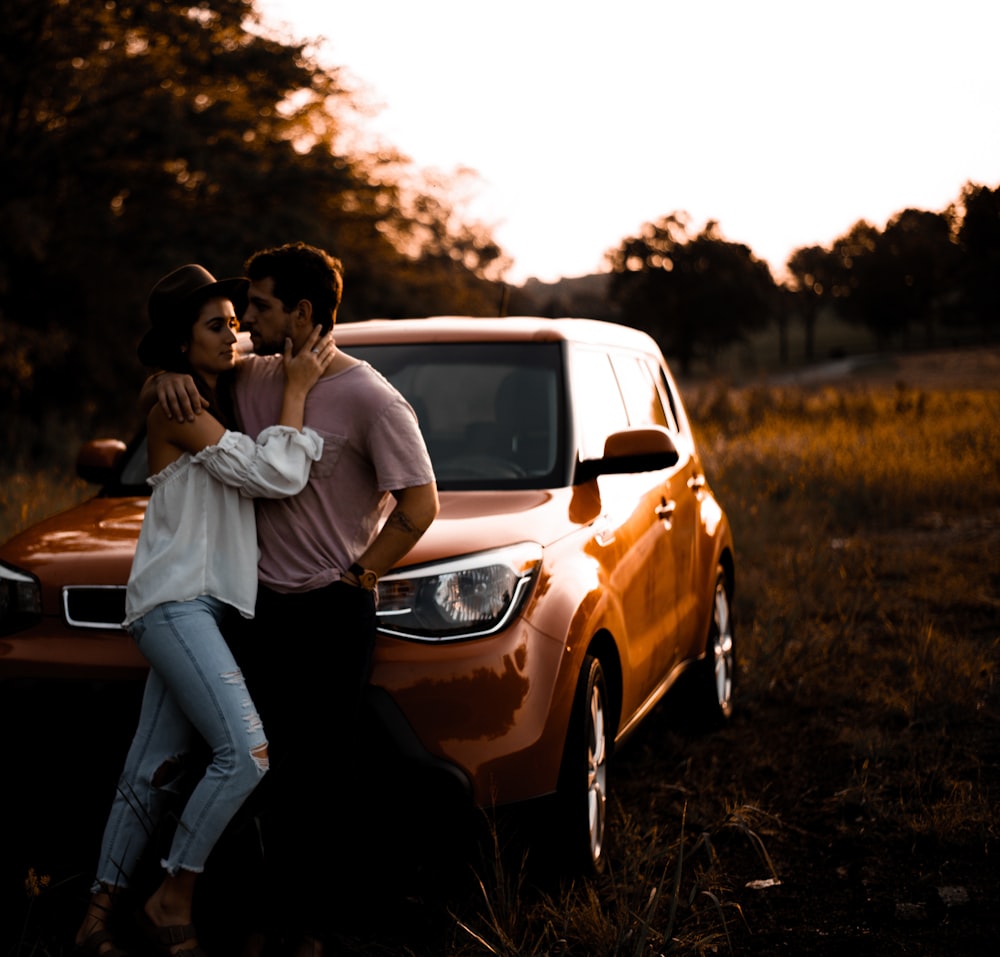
x,y
165,941
91,945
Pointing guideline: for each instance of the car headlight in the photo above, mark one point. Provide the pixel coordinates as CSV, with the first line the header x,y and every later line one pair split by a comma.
x,y
465,597
20,599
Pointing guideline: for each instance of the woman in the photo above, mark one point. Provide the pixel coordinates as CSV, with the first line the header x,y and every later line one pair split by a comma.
x,y
195,561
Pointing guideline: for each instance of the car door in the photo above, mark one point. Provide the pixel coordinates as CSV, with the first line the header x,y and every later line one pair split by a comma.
x,y
687,488
631,536
669,511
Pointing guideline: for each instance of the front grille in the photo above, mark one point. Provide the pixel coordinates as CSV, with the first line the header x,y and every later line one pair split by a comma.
x,y
94,606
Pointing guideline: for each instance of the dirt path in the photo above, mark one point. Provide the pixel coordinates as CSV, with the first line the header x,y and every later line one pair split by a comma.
x,y
943,369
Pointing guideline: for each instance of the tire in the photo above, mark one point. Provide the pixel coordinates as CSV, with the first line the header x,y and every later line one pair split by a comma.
x,y
583,786
713,686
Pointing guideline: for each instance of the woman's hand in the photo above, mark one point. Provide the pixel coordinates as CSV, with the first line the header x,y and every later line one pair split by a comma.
x,y
304,370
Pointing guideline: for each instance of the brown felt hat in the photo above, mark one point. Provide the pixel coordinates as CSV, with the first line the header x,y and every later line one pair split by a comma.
x,y
168,308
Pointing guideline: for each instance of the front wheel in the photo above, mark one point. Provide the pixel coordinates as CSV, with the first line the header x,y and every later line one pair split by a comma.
x,y
583,790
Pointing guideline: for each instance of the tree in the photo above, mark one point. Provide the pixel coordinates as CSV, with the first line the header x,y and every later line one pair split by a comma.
x,y
919,265
890,280
856,290
812,269
135,136
694,295
979,243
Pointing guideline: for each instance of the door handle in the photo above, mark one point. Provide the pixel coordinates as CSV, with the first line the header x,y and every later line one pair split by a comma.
x,y
665,511
604,535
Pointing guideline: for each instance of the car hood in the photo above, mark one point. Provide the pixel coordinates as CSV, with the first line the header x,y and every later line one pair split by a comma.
x,y
93,543
476,520
90,544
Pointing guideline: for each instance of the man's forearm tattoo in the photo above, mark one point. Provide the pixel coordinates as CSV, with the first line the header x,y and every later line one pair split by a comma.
x,y
401,521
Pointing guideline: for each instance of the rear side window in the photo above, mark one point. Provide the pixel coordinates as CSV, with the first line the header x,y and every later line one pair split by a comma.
x,y
675,409
642,398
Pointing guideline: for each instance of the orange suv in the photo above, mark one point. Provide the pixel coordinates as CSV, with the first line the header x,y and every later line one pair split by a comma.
x,y
579,564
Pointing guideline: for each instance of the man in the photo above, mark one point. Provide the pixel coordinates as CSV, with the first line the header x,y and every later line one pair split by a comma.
x,y
307,653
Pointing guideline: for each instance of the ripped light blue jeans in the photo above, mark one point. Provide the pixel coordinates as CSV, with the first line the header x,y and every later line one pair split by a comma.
x,y
194,689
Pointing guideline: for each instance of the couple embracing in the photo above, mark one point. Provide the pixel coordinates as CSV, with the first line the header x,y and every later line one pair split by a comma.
x,y
283,484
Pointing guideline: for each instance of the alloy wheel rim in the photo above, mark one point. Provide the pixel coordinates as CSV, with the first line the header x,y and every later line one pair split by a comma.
x,y
596,773
722,649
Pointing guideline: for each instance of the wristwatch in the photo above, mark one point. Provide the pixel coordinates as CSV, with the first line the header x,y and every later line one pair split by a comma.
x,y
367,579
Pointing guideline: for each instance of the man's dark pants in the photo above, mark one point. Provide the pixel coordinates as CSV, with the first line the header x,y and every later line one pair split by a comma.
x,y
306,658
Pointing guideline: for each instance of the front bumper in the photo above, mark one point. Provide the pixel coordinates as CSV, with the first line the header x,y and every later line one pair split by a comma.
x,y
53,649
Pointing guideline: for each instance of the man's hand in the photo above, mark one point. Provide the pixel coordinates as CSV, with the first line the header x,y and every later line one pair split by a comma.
x,y
175,393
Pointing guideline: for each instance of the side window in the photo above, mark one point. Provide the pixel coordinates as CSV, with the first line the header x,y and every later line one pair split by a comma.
x,y
672,400
638,385
598,409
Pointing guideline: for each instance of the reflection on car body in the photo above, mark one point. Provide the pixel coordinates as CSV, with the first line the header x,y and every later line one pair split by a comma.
x,y
578,566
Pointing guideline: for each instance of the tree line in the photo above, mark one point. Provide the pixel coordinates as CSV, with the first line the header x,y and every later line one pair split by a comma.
x,y
136,135
927,279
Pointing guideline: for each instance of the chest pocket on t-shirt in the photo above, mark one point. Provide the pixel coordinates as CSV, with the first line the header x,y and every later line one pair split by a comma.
x,y
333,448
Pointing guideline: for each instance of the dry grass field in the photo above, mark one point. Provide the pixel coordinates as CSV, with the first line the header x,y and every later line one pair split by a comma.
x,y
852,806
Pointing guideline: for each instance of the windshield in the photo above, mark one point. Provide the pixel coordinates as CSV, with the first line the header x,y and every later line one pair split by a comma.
x,y
491,413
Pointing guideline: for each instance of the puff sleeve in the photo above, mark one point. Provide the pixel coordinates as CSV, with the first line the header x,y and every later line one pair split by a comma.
x,y
275,466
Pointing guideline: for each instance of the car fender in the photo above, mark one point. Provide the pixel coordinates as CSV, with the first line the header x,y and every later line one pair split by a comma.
x,y
579,609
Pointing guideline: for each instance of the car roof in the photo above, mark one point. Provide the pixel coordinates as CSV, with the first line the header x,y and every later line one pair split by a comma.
x,y
506,329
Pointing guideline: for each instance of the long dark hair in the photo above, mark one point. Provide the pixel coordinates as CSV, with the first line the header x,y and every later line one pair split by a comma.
x,y
220,403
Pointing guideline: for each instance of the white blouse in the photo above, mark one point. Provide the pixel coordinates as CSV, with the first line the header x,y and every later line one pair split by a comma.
x,y
199,536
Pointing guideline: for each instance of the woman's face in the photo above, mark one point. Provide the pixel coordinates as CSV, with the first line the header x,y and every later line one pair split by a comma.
x,y
212,348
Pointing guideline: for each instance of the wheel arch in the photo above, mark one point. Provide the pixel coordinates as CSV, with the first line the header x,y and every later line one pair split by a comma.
x,y
602,647
728,563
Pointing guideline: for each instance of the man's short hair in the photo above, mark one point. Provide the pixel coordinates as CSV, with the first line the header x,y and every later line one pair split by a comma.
x,y
301,271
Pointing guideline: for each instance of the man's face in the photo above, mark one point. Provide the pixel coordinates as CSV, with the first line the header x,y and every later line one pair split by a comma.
x,y
266,319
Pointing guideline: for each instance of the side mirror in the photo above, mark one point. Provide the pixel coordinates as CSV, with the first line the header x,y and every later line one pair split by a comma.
x,y
97,460
646,449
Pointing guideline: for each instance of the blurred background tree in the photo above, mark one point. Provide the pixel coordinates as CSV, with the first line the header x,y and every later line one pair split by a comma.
x,y
926,280
136,136
694,295
979,261
892,280
810,270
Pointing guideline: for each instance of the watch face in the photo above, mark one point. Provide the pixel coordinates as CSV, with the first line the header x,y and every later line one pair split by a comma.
x,y
368,580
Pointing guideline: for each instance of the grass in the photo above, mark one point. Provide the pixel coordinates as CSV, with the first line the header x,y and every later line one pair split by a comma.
x,y
841,460
27,497
862,769
659,897
38,471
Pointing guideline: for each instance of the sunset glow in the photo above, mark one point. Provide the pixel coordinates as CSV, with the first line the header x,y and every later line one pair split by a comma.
x,y
784,121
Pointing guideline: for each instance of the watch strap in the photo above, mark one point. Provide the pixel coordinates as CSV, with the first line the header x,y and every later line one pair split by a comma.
x,y
367,579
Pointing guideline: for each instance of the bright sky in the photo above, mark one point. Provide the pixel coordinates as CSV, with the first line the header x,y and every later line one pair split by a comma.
x,y
784,120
